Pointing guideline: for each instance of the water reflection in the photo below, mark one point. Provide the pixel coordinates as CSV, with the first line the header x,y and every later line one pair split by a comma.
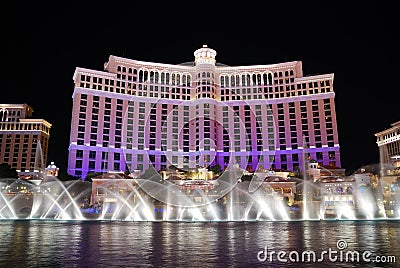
x,y
27,243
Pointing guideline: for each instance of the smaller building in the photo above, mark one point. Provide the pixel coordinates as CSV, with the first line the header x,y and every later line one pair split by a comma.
x,y
278,183
52,170
388,142
390,187
351,197
338,197
24,141
317,172
37,177
106,187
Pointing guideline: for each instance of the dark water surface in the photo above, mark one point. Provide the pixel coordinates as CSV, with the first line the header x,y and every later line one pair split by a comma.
x,y
40,243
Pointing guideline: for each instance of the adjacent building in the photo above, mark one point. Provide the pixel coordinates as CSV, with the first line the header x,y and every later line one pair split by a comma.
x,y
24,140
388,142
134,115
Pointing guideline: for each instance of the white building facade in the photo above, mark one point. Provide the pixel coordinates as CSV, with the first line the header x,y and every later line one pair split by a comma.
x,y
388,142
135,114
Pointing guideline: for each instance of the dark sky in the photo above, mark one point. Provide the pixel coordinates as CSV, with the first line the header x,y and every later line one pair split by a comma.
x,y
357,43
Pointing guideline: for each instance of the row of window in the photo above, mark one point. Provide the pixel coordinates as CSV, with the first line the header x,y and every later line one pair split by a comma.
x,y
163,160
9,115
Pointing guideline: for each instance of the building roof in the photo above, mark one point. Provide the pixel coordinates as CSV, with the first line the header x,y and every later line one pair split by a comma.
x,y
111,175
275,179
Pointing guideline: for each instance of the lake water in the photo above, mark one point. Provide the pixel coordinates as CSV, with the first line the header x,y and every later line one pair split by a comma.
x,y
40,243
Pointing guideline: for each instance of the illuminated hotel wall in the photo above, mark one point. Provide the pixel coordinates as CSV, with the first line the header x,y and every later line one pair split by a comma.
x,y
136,114
20,136
388,142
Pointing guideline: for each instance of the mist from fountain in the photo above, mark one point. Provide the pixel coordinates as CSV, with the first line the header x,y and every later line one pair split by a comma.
x,y
52,199
151,197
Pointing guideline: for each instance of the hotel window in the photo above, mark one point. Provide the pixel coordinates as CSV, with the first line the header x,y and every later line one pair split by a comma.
x,y
116,166
78,163
92,164
140,158
238,159
79,154
104,165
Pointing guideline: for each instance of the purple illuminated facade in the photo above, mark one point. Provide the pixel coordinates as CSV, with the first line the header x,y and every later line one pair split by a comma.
x,y
139,114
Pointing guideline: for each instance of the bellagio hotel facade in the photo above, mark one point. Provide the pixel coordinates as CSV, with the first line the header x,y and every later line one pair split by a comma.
x,y
135,115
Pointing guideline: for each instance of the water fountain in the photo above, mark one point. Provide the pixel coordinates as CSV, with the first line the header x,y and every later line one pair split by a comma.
x,y
42,196
151,197
51,199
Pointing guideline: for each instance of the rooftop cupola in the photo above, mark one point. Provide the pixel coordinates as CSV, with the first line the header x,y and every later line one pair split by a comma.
x,y
205,55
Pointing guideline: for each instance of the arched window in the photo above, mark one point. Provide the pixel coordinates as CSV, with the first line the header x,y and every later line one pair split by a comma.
x,y
265,79
140,75
156,77
233,84
259,79
152,76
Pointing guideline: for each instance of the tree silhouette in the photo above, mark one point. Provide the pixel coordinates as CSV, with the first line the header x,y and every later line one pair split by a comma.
x,y
216,169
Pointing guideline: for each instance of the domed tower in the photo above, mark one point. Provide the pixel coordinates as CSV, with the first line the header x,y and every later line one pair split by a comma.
x,y
206,123
205,68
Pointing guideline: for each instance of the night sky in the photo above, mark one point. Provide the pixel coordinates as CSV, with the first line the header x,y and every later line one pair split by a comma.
x,y
357,43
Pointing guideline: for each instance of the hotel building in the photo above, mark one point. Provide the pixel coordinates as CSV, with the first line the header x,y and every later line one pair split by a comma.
x,y
388,142
24,141
138,114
